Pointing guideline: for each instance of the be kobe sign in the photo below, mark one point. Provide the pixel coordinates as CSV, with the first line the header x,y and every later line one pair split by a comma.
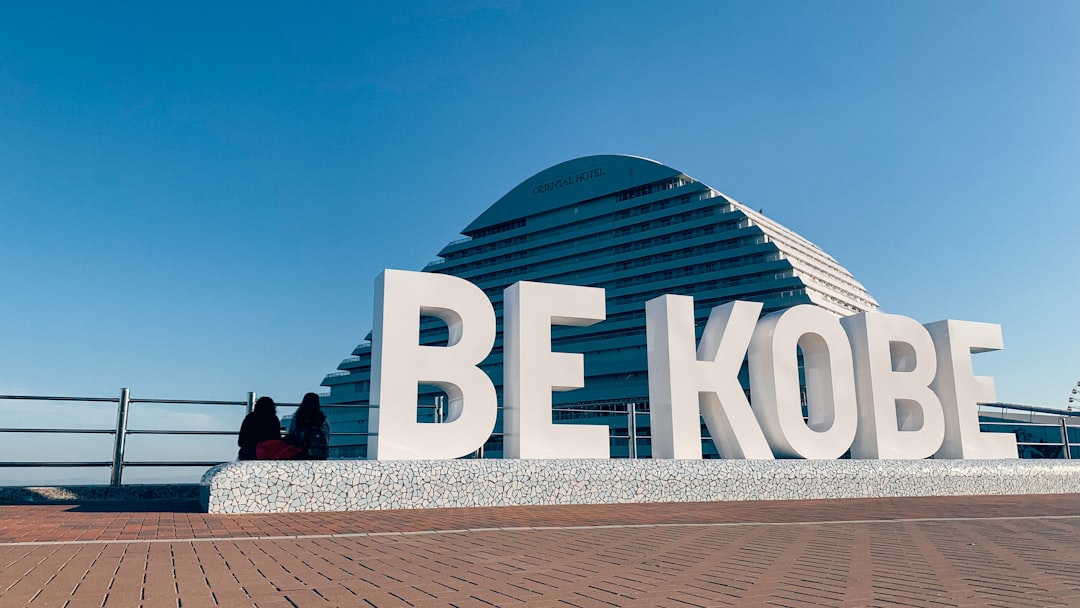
x,y
881,385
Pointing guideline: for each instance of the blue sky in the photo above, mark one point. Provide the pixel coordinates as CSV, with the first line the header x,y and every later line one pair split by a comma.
x,y
196,198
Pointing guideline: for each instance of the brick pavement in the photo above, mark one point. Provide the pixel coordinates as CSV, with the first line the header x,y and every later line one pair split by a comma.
x,y
959,551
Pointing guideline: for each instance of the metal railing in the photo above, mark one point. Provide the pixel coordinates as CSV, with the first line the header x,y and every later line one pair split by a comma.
x,y
120,432
1044,433
1048,438
1045,438
1041,432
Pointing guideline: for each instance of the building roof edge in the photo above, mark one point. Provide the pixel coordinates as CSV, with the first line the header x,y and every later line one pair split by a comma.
x,y
568,182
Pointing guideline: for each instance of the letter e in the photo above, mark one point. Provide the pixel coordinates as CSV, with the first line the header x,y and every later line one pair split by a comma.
x,y
532,371
961,391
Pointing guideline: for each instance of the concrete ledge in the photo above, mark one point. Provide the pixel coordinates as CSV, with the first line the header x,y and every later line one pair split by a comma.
x,y
356,485
22,495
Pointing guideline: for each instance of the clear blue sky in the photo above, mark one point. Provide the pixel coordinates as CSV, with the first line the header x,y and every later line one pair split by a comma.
x,y
196,198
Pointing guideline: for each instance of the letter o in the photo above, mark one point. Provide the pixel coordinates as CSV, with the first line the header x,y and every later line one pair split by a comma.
x,y
832,411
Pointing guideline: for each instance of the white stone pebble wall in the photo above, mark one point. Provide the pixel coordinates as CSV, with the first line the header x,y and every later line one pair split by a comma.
x,y
357,485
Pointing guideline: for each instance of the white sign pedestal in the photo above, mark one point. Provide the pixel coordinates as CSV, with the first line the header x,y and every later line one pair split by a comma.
x,y
359,485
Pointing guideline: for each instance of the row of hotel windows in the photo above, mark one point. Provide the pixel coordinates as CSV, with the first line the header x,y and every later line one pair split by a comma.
x,y
566,228
651,207
596,240
647,189
689,271
693,252
837,301
496,229
799,244
691,289
839,282
565,246
517,240
575,228
660,186
662,239
502,259
664,221
813,258
705,249
826,287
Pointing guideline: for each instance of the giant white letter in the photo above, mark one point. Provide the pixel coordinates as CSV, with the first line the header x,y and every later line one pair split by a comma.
x,y
399,364
532,371
684,384
830,383
899,416
960,390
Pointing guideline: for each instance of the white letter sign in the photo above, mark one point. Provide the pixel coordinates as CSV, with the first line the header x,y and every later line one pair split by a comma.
x,y
899,416
682,382
532,371
830,383
399,364
880,385
960,390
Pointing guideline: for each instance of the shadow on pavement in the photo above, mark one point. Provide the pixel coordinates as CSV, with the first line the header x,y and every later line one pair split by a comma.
x,y
137,506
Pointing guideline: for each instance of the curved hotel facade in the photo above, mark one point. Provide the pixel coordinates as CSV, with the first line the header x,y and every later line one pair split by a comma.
x,y
638,229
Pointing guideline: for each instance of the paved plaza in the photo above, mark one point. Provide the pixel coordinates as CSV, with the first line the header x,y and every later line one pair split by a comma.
x,y
960,551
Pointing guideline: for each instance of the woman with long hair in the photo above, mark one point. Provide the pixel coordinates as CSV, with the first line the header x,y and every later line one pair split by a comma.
x,y
261,424
310,428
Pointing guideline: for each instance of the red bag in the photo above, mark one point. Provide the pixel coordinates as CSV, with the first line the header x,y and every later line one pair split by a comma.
x,y
275,449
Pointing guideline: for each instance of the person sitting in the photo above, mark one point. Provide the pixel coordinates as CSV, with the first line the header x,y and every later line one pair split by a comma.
x,y
261,424
310,429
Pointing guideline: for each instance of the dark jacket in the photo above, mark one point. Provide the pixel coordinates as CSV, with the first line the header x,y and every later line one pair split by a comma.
x,y
257,426
312,432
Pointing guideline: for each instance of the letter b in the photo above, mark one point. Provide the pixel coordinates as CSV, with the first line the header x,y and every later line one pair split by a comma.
x,y
399,364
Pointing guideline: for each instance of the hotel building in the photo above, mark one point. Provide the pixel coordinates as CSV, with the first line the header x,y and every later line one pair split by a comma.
x,y
638,229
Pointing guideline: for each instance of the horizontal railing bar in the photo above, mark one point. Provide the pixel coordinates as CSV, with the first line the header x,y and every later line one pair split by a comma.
x,y
425,406
133,400
342,434
62,431
192,402
9,465
1031,408
1054,425
46,398
146,432
178,463
163,432
146,463
347,434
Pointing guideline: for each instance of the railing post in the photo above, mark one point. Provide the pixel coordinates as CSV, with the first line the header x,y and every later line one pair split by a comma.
x,y
120,437
250,403
631,427
1065,438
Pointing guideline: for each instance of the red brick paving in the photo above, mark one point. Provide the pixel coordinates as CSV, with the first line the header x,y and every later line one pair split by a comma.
x,y
961,551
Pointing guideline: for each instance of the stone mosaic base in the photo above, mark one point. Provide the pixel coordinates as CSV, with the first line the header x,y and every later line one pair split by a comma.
x,y
355,485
